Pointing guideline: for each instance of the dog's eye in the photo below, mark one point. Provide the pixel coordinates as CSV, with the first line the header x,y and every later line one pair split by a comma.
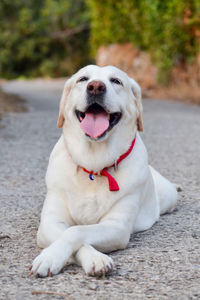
x,y
116,81
84,78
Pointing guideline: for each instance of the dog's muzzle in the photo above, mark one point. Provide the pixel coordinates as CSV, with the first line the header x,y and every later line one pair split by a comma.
x,y
96,121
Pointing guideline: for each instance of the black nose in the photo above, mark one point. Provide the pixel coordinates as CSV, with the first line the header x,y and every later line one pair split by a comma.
x,y
96,88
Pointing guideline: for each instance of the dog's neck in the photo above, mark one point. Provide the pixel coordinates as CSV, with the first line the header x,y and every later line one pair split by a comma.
x,y
96,155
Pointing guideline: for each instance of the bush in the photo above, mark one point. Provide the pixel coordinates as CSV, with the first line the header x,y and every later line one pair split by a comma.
x,y
52,37
43,37
168,29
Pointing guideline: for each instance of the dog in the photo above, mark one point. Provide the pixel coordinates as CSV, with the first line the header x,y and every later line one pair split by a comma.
x,y
100,187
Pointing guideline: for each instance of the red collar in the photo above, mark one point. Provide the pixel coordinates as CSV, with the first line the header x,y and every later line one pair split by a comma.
x,y
113,185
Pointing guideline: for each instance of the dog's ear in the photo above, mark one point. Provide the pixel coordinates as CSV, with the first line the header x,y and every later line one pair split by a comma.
x,y
138,101
65,93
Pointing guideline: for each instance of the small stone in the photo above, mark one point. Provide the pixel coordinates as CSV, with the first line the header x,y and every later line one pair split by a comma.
x,y
92,287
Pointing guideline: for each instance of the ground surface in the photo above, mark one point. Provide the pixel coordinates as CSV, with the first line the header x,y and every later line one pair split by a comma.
x,y
161,263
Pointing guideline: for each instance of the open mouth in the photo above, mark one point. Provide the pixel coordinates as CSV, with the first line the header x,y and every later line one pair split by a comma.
x,y
96,121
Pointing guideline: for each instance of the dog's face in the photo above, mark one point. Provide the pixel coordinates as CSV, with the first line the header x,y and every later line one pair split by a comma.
x,y
98,101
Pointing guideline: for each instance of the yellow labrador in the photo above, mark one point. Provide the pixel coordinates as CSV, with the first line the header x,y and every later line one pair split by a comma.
x,y
100,187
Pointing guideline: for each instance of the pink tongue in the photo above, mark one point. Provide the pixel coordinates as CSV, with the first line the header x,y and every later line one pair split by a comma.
x,y
95,125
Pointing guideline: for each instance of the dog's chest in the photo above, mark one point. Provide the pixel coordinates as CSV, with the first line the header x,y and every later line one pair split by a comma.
x,y
88,201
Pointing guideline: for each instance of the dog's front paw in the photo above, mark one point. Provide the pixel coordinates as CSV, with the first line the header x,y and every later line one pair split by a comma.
x,y
98,264
51,260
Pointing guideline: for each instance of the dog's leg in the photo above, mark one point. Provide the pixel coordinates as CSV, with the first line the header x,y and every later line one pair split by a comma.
x,y
50,230
54,222
166,192
107,236
55,219
112,233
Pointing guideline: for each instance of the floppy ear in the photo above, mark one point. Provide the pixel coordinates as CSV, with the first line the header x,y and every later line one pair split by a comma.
x,y
138,101
65,93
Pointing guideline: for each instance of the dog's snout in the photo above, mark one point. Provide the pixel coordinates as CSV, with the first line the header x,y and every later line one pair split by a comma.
x,y
96,88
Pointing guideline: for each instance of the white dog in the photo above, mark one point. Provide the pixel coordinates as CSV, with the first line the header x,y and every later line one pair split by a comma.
x,y
100,188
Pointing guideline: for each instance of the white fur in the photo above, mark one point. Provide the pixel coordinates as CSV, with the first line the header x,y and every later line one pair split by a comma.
x,y
82,218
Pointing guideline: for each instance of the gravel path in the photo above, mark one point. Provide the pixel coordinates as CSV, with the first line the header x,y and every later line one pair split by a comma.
x,y
161,263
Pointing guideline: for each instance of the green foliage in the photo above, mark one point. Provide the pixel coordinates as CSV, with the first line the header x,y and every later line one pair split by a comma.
x,y
168,29
43,37
52,37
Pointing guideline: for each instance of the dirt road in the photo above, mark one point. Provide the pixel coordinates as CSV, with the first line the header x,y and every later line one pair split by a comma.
x,y
161,263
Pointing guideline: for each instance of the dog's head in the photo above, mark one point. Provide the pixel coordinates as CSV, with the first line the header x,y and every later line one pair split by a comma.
x,y
98,101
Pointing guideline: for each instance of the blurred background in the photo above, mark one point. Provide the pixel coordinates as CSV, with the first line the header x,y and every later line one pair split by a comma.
x,y
158,43
155,41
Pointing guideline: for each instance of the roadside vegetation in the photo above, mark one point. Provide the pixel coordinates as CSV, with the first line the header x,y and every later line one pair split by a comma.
x,y
168,29
43,37
56,37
